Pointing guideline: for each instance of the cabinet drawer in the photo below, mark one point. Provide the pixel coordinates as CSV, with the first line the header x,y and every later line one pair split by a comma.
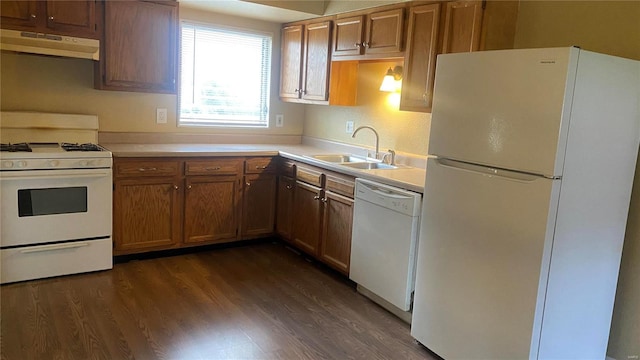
x,y
343,185
287,168
147,168
309,175
259,165
222,166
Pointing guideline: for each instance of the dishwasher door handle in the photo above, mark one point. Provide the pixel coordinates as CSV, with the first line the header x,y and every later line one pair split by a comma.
x,y
385,192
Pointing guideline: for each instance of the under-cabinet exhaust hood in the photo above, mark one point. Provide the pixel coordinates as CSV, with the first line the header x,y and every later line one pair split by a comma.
x,y
49,44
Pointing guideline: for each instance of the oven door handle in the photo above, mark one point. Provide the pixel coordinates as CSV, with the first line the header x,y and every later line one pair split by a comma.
x,y
54,247
32,175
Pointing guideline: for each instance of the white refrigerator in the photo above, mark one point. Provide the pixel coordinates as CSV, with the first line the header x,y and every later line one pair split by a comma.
x,y
532,158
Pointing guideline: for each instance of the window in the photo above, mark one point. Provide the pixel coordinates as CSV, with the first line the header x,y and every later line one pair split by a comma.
x,y
225,77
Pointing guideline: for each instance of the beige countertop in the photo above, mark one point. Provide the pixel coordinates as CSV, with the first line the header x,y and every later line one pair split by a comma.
x,y
410,178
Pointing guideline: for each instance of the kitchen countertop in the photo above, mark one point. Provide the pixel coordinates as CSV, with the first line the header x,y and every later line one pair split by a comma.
x,y
405,177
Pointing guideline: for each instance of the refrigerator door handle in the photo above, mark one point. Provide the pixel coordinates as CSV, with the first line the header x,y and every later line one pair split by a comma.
x,y
489,171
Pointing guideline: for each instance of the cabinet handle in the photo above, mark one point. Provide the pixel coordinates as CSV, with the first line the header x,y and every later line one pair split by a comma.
x,y
176,187
147,169
189,187
296,90
324,200
51,18
366,44
317,197
248,183
357,45
261,167
289,187
33,16
213,168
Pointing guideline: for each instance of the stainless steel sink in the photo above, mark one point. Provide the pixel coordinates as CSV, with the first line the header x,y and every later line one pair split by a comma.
x,y
369,165
339,158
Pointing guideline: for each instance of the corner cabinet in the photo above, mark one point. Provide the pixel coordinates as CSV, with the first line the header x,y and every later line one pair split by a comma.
x,y
72,18
305,67
139,51
449,27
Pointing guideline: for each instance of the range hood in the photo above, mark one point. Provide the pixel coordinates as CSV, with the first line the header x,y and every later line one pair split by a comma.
x,y
49,44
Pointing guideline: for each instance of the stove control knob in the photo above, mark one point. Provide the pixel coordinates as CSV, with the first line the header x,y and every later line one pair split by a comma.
x,y
7,164
21,163
53,163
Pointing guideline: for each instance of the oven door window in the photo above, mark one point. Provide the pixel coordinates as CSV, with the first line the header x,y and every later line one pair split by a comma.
x,y
65,200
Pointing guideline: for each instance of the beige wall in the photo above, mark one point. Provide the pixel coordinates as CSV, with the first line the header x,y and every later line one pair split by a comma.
x,y
39,83
400,130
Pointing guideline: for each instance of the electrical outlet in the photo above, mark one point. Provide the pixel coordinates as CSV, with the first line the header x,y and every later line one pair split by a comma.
x,y
279,120
161,116
349,127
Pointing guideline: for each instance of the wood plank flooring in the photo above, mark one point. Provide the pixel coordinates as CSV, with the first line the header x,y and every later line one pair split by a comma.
x,y
260,301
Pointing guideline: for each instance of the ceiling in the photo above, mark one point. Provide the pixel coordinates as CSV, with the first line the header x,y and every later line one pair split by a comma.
x,y
279,11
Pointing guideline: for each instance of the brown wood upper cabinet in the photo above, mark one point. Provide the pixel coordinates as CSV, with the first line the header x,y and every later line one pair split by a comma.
x,y
140,47
72,18
379,34
304,75
448,27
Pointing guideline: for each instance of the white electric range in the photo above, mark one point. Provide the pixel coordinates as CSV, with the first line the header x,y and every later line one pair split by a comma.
x,y
56,196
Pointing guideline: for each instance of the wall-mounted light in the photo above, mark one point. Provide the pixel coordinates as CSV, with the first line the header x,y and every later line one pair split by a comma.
x,y
392,81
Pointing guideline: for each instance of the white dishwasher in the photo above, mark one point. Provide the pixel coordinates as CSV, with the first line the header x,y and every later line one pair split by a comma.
x,y
384,244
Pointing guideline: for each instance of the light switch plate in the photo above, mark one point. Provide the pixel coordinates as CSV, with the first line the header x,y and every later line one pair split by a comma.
x,y
279,120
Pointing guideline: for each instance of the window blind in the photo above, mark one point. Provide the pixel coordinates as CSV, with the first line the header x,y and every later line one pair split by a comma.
x,y
225,77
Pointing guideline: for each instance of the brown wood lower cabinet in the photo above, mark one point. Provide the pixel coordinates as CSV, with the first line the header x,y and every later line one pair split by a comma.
x,y
174,202
259,204
322,215
211,209
147,214
284,207
337,220
307,216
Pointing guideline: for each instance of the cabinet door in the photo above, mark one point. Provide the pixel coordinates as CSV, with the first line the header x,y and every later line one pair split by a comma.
x,y
258,205
420,58
211,209
462,26
385,32
284,207
146,214
335,248
72,17
348,36
291,62
140,47
317,61
306,221
19,13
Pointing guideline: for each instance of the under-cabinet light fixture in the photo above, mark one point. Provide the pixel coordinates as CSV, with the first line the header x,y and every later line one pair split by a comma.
x,y
392,81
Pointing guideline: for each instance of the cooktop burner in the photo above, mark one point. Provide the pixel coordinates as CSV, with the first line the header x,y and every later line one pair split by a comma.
x,y
20,147
81,147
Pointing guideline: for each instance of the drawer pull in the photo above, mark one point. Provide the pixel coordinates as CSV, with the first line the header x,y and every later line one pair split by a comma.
x,y
176,187
261,167
147,169
189,187
212,168
289,187
54,247
248,183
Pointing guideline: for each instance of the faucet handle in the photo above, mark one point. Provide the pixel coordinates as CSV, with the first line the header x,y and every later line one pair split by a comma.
x,y
389,157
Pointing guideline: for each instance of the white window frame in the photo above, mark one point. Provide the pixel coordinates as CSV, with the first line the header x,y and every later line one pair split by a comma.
x,y
201,121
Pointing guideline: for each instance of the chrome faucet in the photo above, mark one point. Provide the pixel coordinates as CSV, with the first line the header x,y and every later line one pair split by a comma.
x,y
374,131
389,157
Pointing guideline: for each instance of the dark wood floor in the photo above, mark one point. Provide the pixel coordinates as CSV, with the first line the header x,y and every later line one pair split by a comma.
x,y
253,302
